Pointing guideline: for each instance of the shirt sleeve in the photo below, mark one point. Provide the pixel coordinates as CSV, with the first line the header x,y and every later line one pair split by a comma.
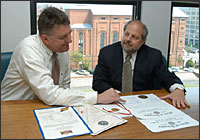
x,y
35,72
174,86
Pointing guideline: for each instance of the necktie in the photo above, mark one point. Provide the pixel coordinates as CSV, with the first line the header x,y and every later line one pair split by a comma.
x,y
55,69
127,79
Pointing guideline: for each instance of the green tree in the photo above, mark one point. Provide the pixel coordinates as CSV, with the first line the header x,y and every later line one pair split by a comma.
x,y
76,57
189,63
179,60
188,50
170,63
86,64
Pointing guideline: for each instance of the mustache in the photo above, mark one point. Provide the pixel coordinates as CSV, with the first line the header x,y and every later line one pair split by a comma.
x,y
127,42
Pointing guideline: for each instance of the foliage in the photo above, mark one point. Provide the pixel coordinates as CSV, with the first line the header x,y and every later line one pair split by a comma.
x,y
170,63
189,63
179,60
78,57
188,50
86,64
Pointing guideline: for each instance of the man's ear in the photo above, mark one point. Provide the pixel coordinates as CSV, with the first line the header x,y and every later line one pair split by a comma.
x,y
45,39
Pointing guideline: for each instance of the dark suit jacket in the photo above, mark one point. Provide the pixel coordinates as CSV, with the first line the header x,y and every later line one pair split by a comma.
x,y
148,64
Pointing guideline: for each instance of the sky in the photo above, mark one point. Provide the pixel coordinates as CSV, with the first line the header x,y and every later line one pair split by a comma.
x,y
99,9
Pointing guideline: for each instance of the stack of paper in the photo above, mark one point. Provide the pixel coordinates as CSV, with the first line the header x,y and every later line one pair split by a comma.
x,y
57,123
63,122
156,114
97,119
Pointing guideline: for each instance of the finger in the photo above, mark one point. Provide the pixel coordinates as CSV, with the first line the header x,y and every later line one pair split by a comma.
x,y
178,103
174,102
164,97
183,104
122,100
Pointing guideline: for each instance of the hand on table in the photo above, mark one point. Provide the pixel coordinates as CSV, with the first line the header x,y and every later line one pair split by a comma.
x,y
109,96
178,98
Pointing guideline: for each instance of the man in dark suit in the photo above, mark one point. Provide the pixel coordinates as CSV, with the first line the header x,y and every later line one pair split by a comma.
x,y
146,63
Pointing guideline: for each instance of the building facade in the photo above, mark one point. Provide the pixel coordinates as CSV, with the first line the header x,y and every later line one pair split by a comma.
x,y
92,32
192,26
177,44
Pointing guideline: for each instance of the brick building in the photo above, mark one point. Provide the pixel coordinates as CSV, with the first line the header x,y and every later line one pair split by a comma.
x,y
91,32
178,31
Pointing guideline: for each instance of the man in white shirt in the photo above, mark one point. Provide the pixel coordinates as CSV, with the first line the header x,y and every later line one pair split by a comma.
x,y
29,74
146,63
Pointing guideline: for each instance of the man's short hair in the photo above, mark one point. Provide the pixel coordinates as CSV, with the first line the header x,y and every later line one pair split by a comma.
x,y
145,31
49,17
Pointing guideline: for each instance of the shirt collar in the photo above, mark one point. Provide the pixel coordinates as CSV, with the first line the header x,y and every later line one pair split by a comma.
x,y
49,52
125,54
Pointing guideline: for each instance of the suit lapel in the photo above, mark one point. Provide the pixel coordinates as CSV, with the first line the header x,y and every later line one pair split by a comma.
x,y
140,67
118,64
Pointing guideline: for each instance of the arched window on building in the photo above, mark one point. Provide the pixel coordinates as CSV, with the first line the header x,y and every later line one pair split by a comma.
x,y
80,42
102,39
115,37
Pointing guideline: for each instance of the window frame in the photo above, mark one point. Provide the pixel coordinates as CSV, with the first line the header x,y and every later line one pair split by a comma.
x,y
194,4
136,13
102,37
80,42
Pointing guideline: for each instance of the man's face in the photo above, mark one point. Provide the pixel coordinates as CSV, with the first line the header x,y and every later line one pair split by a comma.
x,y
59,39
132,37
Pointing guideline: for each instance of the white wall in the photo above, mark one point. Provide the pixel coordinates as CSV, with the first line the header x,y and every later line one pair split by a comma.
x,y
15,23
156,16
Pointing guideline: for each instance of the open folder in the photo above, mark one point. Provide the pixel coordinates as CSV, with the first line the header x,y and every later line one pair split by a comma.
x,y
64,122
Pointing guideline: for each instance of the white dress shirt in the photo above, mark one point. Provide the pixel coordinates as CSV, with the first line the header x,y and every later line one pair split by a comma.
x,y
29,76
132,60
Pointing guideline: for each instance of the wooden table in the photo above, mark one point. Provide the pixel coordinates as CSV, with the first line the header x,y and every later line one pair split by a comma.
x,y
18,122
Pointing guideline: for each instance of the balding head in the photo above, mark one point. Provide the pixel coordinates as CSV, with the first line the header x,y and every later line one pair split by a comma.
x,y
143,26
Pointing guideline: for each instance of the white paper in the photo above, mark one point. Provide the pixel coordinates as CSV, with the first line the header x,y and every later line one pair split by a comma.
x,y
56,124
93,116
119,113
169,123
156,114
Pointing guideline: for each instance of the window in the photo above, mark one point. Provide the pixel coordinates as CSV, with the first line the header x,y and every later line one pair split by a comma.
x,y
127,18
102,39
80,43
115,37
182,19
94,16
103,18
184,44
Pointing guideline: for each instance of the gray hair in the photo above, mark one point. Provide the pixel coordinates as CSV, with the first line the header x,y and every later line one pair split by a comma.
x,y
145,30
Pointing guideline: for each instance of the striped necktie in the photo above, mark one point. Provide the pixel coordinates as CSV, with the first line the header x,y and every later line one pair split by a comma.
x,y
127,79
55,69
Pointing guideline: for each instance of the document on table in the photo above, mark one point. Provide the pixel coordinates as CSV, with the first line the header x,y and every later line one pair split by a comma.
x,y
156,114
97,119
55,123
62,122
116,110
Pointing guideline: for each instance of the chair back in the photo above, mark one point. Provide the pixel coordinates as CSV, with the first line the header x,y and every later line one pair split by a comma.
x,y
5,60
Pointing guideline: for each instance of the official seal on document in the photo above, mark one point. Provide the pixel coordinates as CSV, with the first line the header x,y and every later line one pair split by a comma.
x,y
142,96
102,123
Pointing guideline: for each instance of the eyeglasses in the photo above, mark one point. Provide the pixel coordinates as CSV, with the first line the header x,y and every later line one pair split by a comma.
x,y
121,106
